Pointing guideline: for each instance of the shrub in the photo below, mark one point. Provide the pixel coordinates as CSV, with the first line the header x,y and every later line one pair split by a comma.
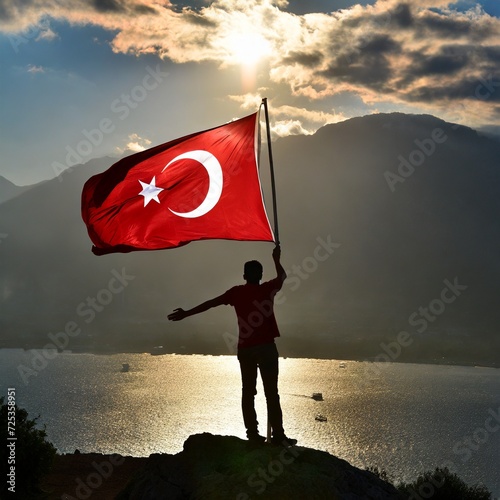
x,y
442,484
33,454
381,474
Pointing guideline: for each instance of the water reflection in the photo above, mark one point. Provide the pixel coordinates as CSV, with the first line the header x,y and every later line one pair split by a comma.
x,y
404,418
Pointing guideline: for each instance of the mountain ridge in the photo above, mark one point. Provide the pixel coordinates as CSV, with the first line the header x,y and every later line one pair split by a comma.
x,y
9,190
396,249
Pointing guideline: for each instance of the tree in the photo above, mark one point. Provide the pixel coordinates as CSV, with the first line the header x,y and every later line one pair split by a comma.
x,y
441,484
30,454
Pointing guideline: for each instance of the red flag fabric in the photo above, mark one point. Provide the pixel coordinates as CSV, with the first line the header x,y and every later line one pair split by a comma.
x,y
201,186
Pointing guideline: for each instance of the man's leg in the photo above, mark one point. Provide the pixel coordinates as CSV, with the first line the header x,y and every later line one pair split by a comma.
x,y
268,366
248,366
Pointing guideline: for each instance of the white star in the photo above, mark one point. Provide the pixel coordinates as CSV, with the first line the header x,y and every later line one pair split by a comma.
x,y
150,191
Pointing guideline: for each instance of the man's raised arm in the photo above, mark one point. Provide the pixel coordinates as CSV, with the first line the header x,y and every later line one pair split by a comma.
x,y
280,271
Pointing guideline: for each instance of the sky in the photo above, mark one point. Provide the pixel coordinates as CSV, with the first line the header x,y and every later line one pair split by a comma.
x,y
85,79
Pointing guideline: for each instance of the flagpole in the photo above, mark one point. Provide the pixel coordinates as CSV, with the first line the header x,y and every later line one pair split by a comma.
x,y
275,211
271,166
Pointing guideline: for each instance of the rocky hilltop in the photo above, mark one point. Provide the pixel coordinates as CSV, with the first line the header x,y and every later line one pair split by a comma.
x,y
219,467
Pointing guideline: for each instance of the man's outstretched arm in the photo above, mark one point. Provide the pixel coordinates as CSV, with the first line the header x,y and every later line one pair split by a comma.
x,y
179,314
280,271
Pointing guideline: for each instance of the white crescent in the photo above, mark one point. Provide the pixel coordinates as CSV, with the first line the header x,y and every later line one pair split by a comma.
x,y
214,170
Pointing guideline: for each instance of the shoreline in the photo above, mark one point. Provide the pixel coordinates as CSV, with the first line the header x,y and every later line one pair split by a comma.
x,y
364,360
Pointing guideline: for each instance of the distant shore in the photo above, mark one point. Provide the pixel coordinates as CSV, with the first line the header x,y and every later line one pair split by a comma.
x,y
154,351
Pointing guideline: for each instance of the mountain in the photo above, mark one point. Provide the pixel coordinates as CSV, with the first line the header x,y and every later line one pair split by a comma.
x,y
389,232
8,190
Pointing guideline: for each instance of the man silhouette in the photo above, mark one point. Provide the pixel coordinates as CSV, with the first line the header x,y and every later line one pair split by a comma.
x,y
253,303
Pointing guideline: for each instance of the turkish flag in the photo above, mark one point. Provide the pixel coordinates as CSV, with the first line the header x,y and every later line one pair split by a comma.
x,y
202,186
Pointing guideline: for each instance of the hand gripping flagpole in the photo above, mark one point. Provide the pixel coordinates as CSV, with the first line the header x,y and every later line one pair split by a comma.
x,y
271,166
275,210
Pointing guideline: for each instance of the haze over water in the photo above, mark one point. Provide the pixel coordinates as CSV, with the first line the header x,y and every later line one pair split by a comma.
x,y
404,418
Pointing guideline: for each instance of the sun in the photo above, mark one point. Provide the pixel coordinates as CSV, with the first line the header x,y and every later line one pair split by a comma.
x,y
247,49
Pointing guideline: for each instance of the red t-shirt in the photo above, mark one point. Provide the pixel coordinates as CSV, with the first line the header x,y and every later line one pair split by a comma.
x,y
253,304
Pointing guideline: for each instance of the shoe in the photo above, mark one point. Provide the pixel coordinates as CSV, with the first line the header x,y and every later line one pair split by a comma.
x,y
283,441
256,438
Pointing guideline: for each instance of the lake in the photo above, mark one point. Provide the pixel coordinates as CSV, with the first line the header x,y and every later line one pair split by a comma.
x,y
403,418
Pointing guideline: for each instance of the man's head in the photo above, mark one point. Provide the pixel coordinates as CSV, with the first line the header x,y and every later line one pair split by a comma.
x,y
252,272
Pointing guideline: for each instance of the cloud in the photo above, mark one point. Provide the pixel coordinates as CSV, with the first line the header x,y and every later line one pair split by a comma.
x,y
35,69
395,52
47,35
289,120
134,144
283,128
107,5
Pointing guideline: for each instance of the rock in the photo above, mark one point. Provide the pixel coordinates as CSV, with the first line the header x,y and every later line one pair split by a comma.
x,y
219,467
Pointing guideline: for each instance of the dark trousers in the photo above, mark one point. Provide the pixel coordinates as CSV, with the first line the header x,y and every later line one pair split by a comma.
x,y
265,358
